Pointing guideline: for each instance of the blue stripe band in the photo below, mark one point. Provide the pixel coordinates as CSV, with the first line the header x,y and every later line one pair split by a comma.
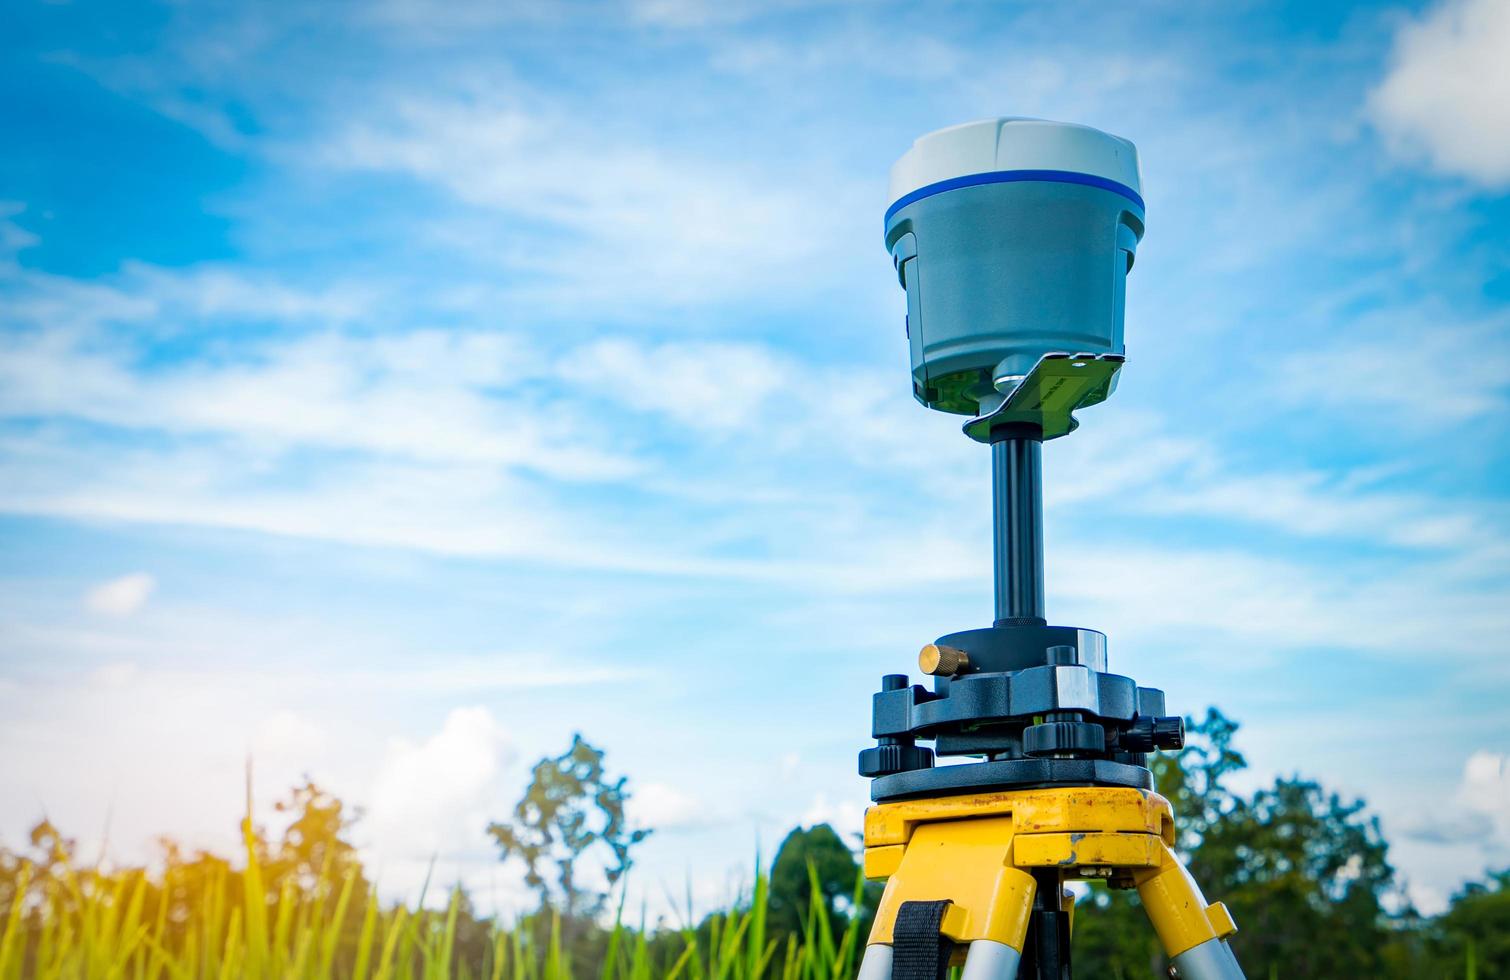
x,y
1008,176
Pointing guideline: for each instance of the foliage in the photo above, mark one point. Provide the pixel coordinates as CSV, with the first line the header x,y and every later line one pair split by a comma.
x,y
816,861
811,861
1476,929
1309,878
1305,873
570,806
1194,780
314,841
1112,937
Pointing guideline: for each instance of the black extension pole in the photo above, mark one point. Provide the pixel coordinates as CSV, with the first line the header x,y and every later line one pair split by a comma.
x,y
1017,525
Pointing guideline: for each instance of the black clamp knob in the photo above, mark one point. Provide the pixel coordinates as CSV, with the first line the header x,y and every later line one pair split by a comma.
x,y
1054,737
891,757
894,753
1149,734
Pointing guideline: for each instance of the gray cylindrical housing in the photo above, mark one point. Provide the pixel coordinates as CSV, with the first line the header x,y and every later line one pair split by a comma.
x,y
1013,238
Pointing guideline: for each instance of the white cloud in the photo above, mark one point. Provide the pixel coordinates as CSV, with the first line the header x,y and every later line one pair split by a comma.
x,y
1265,607
1141,468
163,302
448,440
630,221
1447,95
291,739
436,797
1478,812
660,806
1416,369
418,396
121,596
114,675
703,386
13,238
1485,789
1316,504
695,14
220,293
846,816
448,20
460,510
1486,783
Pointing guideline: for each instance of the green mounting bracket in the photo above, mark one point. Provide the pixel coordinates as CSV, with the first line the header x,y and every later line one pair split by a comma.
x,y
1048,396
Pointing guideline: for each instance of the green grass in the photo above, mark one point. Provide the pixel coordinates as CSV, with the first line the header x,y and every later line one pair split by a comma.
x,y
71,924
66,923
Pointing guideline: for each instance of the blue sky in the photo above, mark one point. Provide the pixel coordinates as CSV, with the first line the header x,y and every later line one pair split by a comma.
x,y
390,389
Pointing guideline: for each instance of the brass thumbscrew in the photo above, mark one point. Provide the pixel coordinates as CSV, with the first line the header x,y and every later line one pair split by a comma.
x,y
942,661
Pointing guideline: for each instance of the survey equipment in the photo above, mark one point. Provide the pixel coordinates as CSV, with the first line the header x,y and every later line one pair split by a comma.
x,y
1013,239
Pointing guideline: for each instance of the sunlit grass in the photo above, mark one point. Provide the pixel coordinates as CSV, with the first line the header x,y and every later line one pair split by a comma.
x,y
73,924
87,924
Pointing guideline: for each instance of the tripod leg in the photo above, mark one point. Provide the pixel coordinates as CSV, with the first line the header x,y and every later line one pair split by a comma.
x,y
965,866
1211,960
1193,934
877,962
988,960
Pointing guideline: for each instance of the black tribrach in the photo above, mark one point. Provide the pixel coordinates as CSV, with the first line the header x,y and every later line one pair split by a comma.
x,y
1034,708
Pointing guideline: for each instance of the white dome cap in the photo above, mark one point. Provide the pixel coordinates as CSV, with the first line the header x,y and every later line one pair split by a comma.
x,y
1014,143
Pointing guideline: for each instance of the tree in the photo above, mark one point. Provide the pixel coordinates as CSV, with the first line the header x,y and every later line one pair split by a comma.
x,y
315,842
1304,872
1194,780
571,807
834,866
1112,935
316,855
1476,929
1307,876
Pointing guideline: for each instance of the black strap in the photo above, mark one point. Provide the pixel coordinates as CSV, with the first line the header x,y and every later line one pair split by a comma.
x,y
919,951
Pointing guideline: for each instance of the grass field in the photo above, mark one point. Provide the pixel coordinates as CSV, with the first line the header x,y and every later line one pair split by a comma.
x,y
265,917
73,924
